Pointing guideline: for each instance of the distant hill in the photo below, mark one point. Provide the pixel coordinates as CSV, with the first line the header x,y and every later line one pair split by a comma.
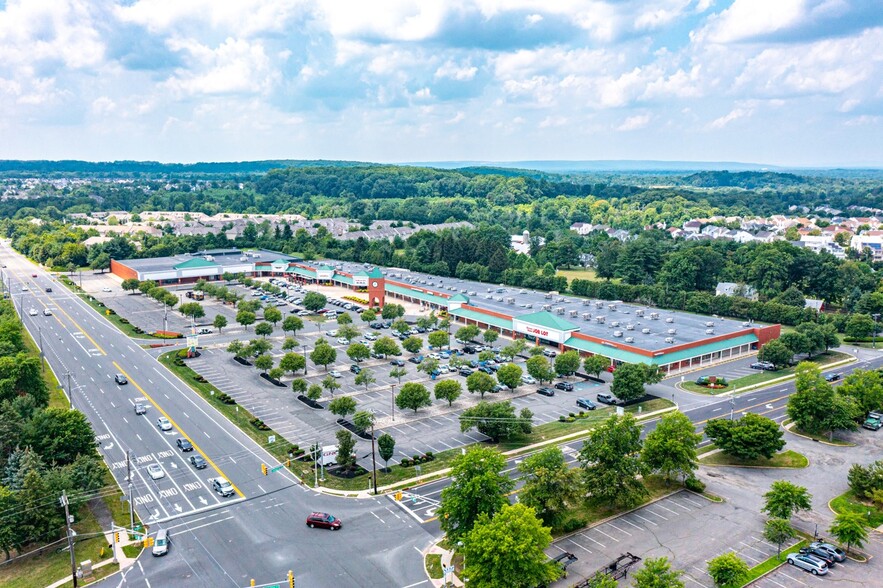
x,y
121,168
747,180
563,166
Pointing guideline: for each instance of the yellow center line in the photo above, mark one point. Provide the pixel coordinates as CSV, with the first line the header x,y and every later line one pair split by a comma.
x,y
180,430
85,334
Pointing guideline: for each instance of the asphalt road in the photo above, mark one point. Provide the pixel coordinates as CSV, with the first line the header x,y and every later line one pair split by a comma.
x,y
260,532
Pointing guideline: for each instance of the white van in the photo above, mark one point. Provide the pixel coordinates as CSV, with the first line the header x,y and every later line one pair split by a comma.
x,y
161,544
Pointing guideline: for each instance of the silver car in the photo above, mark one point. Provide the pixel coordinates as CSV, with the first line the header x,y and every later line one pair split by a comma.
x,y
163,424
808,563
835,552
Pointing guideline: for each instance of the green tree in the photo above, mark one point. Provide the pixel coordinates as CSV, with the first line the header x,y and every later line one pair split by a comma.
x,y
258,347
263,363
348,332
386,446
272,315
263,329
467,333
368,315
816,407
236,348
299,386
401,327
245,318
358,352
448,390
289,343
344,319
292,323
784,499
510,375
220,322
413,396
849,528
438,339
323,353
314,301
342,406
478,486
428,366
750,437
292,362
497,420
398,373
392,311
364,378
412,344
859,326
539,368
480,382
276,373
363,420
611,464
146,286
490,336
778,532
567,363
551,487
346,459
775,352
507,550
130,285
671,448
192,310
314,392
866,388
727,569
657,573
330,384
59,435
595,364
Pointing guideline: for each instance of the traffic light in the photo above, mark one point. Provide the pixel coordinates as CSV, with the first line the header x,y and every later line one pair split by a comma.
x,y
288,463
290,579
399,495
116,537
148,541
264,469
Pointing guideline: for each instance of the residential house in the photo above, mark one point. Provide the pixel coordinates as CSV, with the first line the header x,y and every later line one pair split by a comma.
x,y
693,226
581,228
734,289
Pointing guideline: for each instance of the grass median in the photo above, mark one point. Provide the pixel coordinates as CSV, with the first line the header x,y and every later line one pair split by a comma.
x,y
396,474
786,459
768,565
849,502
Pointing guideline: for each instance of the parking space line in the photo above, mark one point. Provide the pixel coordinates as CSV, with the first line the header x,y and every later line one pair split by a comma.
x,y
790,578
606,535
620,530
668,509
645,520
685,499
753,547
675,502
625,520
575,544
740,554
656,514
593,541
776,583
689,577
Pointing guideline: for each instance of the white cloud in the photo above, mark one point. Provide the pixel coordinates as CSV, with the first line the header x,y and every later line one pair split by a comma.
x,y
745,19
399,20
459,117
733,115
245,17
460,73
633,123
235,66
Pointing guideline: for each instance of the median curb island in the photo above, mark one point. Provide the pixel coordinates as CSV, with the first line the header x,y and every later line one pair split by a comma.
x,y
790,425
446,559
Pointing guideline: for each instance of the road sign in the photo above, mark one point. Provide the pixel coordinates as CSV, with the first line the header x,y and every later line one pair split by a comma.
x,y
277,468
271,439
448,570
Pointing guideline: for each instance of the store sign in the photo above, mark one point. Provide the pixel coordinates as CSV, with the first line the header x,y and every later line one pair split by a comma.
x,y
535,331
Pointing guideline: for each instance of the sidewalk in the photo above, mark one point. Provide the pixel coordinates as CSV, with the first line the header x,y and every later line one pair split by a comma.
x,y
446,557
124,560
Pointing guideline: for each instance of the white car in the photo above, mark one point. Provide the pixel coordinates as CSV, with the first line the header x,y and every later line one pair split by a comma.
x,y
24,288
335,374
47,312
332,333
32,312
163,424
343,341
106,289
370,336
155,471
434,356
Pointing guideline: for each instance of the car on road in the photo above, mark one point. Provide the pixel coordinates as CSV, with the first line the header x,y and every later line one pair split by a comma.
x,y
197,461
355,369
397,363
33,275
47,312
24,288
106,289
566,386
835,552
49,289
546,391
184,444
605,398
140,408
33,312
222,486
204,331
585,403
323,520
163,424
155,471
161,544
810,564
335,374
332,333
833,377
120,379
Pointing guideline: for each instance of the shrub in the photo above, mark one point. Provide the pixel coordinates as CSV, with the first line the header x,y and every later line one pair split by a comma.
x,y
694,484
864,480
573,524
259,424
405,462
562,418
429,456
124,321
226,398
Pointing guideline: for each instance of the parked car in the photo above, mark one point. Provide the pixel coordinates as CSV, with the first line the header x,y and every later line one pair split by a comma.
x,y
488,370
155,471
549,353
500,388
343,341
397,363
525,379
819,554
810,564
546,391
585,403
204,331
606,398
323,520
566,386
465,372
335,374
355,369
415,359
874,421
184,444
106,289
835,552
163,424
197,461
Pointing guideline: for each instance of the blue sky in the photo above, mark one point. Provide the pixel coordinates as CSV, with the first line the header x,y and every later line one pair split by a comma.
x,y
788,82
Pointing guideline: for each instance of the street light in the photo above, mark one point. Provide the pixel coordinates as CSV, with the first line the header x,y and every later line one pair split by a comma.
x,y
392,401
305,358
876,316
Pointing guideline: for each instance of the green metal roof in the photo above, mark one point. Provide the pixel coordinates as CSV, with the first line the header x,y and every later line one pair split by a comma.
x,y
303,272
496,321
195,262
342,279
325,268
375,273
459,298
361,274
425,296
548,320
665,358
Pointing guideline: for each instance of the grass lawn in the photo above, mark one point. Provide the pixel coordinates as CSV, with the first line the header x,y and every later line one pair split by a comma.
x,y
578,274
770,564
849,502
433,566
57,399
786,459
824,438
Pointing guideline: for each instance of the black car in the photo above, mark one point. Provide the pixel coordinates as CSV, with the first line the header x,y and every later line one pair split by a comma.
x,y
585,403
49,289
486,370
465,372
566,386
375,325
184,444
469,349
397,363
546,391
355,369
120,379
819,553
833,377
198,462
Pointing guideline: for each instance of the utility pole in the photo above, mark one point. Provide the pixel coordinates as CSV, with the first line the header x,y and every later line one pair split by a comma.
x,y
70,391
732,406
392,401
316,464
305,359
131,486
42,356
70,537
373,459
876,316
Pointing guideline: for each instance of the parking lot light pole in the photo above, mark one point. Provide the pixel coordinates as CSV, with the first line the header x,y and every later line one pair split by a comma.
x,y
392,401
305,359
876,316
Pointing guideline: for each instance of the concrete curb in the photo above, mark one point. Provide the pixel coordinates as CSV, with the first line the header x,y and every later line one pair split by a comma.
x,y
790,426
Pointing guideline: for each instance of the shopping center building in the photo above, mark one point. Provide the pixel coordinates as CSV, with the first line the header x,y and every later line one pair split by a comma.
x,y
623,332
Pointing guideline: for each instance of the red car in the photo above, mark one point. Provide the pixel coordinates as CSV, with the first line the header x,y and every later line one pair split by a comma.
x,y
323,520
611,368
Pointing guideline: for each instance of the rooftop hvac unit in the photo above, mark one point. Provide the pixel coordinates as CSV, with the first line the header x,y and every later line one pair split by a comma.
x,y
630,327
548,296
599,304
547,307
746,324
528,305
617,333
672,331
209,258
629,339
709,324
669,340
510,300
614,323
586,302
709,331
600,319
559,310
573,313
611,307
559,299
654,316
639,312
669,319
587,316
645,331
243,258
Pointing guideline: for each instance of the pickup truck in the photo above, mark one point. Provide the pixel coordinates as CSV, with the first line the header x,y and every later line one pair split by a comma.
x,y
874,421
222,487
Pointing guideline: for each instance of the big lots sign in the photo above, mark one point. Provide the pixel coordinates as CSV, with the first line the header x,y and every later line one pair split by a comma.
x,y
535,331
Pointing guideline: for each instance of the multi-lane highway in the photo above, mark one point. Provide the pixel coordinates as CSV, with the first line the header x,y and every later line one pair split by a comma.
x,y
257,533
